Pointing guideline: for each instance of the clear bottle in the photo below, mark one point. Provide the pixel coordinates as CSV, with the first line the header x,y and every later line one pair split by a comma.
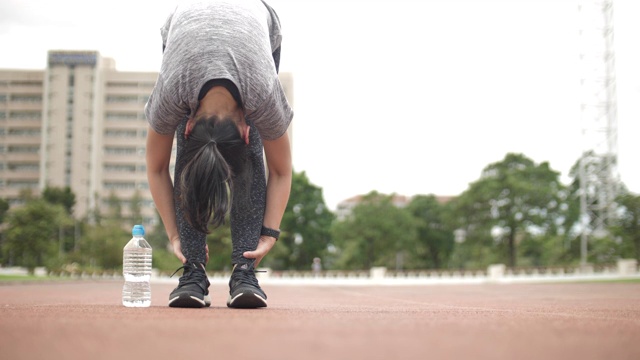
x,y
136,268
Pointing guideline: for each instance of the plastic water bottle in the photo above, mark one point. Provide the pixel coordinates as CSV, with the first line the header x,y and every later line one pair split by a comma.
x,y
136,268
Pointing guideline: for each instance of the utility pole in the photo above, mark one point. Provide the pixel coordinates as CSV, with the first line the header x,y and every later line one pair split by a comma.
x,y
598,165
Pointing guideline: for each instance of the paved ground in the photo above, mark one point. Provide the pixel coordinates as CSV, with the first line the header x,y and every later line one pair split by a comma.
x,y
84,320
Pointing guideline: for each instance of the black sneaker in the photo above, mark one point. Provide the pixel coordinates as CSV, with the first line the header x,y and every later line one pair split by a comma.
x,y
244,291
193,288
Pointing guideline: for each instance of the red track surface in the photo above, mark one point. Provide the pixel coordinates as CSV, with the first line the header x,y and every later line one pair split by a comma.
x,y
84,320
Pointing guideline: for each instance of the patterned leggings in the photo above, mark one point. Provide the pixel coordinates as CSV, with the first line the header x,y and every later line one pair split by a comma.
x,y
247,207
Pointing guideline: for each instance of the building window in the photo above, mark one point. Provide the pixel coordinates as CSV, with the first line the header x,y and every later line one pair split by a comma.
x,y
112,185
122,99
22,184
29,167
115,133
119,150
26,97
25,115
110,116
143,185
16,202
24,132
23,149
30,83
120,168
122,84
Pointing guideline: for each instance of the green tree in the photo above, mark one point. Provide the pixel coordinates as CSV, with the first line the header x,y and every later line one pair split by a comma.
x,y
513,197
4,207
435,235
628,227
544,250
601,246
135,208
114,208
94,215
157,237
63,196
32,234
102,243
102,246
78,235
66,198
163,257
220,247
375,234
305,227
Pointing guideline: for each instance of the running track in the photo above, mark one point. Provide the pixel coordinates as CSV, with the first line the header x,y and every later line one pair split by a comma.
x,y
84,320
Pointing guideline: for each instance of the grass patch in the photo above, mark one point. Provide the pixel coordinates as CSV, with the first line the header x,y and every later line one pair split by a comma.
x,y
21,277
622,281
9,279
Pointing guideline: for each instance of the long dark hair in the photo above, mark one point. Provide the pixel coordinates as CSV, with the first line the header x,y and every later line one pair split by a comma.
x,y
216,151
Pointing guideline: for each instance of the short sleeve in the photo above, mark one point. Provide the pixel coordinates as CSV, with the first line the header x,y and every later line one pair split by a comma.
x,y
162,112
273,116
164,30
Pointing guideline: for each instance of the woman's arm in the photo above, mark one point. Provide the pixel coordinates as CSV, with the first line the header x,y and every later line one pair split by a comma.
x,y
158,156
278,155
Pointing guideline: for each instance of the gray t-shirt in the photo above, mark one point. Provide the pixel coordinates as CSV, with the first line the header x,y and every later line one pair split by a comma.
x,y
220,39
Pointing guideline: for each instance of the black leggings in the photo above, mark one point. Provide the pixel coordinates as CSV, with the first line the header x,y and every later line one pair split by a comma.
x,y
247,207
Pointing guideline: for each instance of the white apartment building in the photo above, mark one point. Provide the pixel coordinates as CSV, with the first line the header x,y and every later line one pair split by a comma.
x,y
79,123
21,110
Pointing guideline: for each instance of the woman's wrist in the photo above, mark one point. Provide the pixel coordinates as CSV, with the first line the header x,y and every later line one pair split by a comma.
x,y
267,231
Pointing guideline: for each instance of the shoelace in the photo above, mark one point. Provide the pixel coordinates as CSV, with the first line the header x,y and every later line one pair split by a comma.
x,y
194,274
246,276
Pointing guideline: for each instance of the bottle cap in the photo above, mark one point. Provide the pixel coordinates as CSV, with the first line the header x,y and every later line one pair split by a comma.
x,y
138,230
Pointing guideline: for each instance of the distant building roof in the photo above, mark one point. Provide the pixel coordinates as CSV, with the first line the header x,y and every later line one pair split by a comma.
x,y
344,208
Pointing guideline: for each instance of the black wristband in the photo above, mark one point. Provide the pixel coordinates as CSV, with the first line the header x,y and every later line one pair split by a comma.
x,y
270,232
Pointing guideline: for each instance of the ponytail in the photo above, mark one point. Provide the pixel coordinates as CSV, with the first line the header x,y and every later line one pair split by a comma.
x,y
205,181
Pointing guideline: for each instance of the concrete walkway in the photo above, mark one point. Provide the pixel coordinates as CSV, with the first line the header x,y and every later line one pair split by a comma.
x,y
84,320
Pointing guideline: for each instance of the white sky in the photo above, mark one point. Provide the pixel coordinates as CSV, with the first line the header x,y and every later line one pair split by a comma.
x,y
411,97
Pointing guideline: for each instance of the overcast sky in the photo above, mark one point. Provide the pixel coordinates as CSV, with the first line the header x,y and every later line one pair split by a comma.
x,y
411,97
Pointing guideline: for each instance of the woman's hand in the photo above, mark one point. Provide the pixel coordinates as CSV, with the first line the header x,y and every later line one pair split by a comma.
x,y
177,250
264,246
